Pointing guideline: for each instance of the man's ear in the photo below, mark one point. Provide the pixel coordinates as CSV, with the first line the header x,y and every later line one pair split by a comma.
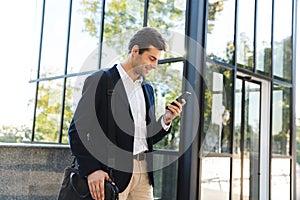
x,y
135,50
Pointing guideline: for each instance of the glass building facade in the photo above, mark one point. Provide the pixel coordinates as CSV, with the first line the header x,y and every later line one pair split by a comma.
x,y
236,138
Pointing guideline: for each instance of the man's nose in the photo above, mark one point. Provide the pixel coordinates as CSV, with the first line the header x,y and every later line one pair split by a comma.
x,y
154,65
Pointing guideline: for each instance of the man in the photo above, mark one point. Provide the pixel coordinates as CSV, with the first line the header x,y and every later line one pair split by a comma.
x,y
128,111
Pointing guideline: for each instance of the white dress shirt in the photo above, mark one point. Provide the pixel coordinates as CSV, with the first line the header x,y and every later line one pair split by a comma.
x,y
137,104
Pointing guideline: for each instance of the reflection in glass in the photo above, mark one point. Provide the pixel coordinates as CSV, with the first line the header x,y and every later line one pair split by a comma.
x,y
167,83
84,36
54,42
237,156
73,93
245,34
169,17
280,179
215,180
48,111
281,121
220,37
246,141
122,19
251,139
165,179
217,111
283,39
263,36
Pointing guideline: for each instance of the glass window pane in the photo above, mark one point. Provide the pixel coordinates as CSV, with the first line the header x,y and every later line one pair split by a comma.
x,y
237,156
215,182
165,178
167,83
48,111
263,36
122,19
220,37
281,121
20,23
172,26
16,117
245,34
73,93
283,39
84,36
251,141
217,109
280,179
55,31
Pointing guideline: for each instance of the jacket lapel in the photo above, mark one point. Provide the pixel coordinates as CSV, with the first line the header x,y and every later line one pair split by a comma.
x,y
148,95
119,88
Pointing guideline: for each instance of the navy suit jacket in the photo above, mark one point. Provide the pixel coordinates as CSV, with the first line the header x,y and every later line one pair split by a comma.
x,y
90,133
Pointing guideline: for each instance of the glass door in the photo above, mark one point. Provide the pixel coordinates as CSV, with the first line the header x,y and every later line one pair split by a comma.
x,y
246,140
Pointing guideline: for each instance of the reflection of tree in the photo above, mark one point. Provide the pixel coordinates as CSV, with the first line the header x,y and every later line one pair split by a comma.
x,y
283,58
15,133
173,17
216,133
91,8
213,9
281,139
245,52
123,18
47,124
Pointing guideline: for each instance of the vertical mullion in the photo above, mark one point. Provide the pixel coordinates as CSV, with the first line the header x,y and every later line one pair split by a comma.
x,y
146,9
65,73
255,36
271,104
202,92
242,132
38,72
235,34
234,62
233,94
292,108
101,33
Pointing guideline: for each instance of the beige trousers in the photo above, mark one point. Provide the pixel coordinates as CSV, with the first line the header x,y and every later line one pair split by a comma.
x,y
138,187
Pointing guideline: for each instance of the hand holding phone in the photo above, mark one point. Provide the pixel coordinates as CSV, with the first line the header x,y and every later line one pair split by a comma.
x,y
184,96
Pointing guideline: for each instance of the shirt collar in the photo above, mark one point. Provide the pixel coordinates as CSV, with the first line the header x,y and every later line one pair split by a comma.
x,y
124,75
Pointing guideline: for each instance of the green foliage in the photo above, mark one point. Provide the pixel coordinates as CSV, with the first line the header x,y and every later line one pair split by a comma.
x,y
15,133
166,16
91,10
213,9
48,118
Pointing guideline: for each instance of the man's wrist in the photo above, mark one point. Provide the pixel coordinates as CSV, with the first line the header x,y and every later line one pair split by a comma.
x,y
166,121
165,126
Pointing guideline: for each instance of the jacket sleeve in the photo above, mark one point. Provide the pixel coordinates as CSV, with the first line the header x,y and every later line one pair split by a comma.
x,y
85,131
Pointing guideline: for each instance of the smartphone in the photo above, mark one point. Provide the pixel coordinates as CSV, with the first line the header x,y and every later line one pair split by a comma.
x,y
184,96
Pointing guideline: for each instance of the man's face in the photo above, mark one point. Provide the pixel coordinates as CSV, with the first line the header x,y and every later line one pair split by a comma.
x,y
145,62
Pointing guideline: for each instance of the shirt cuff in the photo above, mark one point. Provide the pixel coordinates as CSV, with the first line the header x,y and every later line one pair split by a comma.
x,y
165,126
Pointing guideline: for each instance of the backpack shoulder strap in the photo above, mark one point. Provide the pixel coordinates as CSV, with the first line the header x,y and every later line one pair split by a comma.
x,y
111,146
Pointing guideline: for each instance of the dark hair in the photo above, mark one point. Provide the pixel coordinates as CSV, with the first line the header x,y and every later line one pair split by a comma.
x,y
145,37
